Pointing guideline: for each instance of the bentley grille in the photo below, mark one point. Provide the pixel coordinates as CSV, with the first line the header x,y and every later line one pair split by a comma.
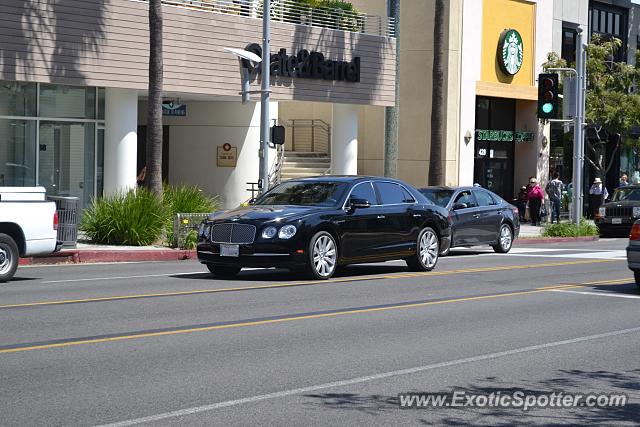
x,y
233,233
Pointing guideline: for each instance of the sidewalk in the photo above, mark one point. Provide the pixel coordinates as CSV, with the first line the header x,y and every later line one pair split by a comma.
x,y
88,253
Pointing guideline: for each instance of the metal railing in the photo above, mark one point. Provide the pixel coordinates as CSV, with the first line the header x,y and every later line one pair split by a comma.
x,y
294,12
276,170
185,229
312,135
67,208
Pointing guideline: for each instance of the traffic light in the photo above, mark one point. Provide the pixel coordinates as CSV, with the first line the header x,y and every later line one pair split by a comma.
x,y
548,96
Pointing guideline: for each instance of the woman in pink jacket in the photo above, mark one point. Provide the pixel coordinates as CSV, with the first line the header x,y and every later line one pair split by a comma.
x,y
536,196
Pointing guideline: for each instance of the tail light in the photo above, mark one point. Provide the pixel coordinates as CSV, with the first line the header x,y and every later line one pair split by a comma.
x,y
55,220
635,232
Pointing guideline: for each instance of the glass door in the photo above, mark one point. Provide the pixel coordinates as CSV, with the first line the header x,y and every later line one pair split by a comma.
x,y
67,159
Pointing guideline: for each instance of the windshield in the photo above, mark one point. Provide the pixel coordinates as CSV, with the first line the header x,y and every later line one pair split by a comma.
x,y
438,196
626,194
304,194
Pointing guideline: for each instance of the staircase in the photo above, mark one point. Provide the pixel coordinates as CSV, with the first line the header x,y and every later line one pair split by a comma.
x,y
299,164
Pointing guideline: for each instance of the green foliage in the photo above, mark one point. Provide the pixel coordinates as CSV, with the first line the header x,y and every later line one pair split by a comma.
x,y
190,240
612,104
186,199
135,218
569,229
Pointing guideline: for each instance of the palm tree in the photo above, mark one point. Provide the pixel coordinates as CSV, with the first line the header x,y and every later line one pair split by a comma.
x,y
437,98
154,112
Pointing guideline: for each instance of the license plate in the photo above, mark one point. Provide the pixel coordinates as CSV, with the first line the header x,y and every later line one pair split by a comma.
x,y
616,220
229,250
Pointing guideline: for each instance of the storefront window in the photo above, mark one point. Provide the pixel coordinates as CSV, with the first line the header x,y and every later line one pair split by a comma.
x,y
69,102
17,153
18,99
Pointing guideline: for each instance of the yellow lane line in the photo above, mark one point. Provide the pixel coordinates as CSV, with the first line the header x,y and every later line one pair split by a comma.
x,y
301,283
275,321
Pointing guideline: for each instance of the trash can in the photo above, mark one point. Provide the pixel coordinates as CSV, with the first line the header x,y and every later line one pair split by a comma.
x,y
67,208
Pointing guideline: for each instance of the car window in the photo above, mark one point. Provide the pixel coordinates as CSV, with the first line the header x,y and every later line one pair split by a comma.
x,y
364,191
440,197
408,197
626,194
467,198
483,198
496,199
390,193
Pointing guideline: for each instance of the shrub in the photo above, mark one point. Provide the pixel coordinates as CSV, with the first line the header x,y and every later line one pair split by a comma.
x,y
134,218
569,229
186,199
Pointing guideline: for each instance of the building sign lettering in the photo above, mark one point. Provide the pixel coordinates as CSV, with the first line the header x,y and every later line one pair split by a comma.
x,y
227,156
503,135
170,108
307,65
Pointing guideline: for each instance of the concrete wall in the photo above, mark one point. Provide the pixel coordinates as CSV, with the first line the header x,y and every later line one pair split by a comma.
x,y
572,11
193,147
105,43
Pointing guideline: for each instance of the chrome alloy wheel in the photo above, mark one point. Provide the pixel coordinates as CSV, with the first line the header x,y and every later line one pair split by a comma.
x,y
429,249
505,238
324,256
5,259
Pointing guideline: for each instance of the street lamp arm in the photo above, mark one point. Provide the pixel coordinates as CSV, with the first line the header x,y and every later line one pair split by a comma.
x,y
563,69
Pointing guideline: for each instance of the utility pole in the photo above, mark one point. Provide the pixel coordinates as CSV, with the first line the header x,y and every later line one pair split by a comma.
x,y
263,153
391,113
578,129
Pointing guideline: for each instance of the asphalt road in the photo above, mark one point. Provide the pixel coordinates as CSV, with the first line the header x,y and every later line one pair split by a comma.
x,y
168,344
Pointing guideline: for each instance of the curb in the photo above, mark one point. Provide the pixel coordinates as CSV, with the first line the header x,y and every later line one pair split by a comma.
x,y
536,240
77,256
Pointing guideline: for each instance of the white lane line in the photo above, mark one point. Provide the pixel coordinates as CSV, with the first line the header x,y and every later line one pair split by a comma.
x,y
600,294
89,279
301,390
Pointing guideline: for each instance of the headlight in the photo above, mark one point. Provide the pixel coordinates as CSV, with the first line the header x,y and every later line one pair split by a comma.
x,y
287,232
602,211
269,232
636,211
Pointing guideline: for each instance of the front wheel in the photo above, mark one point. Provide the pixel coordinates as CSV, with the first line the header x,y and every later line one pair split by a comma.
x,y
505,240
323,255
221,271
427,250
9,255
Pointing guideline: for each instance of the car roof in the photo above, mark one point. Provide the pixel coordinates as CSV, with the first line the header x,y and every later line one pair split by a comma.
x,y
343,178
445,187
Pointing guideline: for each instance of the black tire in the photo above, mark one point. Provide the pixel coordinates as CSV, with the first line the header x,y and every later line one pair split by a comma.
x,y
636,276
223,271
427,251
505,239
9,256
323,256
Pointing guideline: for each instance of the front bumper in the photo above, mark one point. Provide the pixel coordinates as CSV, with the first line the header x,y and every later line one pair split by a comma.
x,y
609,224
260,255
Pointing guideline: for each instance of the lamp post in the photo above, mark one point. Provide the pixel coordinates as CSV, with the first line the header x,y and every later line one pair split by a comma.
x,y
263,153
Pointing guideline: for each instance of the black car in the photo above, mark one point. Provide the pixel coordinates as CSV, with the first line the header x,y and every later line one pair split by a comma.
x,y
618,215
317,224
477,216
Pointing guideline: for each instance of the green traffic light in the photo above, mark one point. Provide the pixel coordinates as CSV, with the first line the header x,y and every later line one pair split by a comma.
x,y
547,107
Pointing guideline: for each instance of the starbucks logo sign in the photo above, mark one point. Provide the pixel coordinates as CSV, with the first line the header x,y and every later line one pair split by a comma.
x,y
510,51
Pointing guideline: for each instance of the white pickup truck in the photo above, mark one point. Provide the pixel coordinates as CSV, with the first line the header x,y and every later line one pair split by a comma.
x,y
28,226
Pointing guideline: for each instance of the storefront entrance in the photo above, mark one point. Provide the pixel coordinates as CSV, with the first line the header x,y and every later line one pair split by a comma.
x,y
495,156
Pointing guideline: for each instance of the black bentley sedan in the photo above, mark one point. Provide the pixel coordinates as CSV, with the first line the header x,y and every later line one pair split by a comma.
x,y
478,217
317,224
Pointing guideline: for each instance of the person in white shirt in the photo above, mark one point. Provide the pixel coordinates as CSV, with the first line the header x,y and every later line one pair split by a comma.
x,y
597,195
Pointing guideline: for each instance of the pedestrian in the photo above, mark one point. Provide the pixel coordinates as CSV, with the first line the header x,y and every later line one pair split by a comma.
x,y
536,196
521,202
597,195
554,190
141,176
623,180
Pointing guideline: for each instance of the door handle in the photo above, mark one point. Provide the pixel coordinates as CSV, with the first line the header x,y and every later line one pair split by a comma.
x,y
417,215
476,215
381,217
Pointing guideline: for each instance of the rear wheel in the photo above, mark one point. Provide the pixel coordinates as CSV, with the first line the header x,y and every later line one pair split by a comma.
x,y
223,271
323,255
636,276
9,255
505,240
427,250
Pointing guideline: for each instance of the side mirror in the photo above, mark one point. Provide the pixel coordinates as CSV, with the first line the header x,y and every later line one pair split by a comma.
x,y
457,206
358,203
